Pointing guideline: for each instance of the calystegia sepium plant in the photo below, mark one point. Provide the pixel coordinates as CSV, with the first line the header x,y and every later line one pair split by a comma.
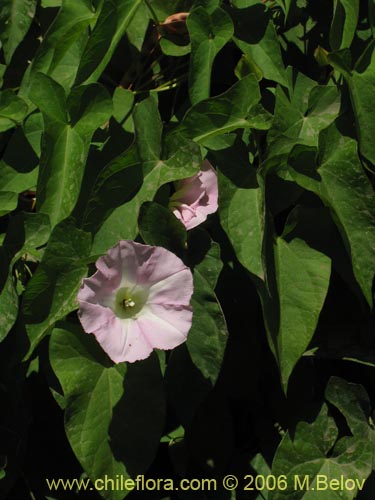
x,y
187,249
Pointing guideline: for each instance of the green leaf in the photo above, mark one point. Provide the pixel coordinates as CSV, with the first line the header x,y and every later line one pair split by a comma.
x,y
15,19
123,100
299,119
208,34
26,232
241,207
316,459
286,5
2,72
8,202
49,97
371,12
339,180
90,106
33,128
315,225
59,54
112,23
18,167
148,137
256,37
184,163
114,414
51,3
158,226
13,110
174,436
224,113
209,5
344,23
62,156
51,293
353,402
137,28
61,172
246,66
163,8
362,91
208,335
8,302
204,255
302,276
65,147
308,466
194,367
261,467
117,183
341,60
170,49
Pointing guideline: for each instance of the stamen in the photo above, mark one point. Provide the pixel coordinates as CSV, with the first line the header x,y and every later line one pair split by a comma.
x,y
128,303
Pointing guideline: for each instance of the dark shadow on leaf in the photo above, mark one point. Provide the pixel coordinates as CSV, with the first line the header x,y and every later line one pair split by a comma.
x,y
3,268
251,23
185,384
118,183
110,143
15,236
37,300
14,347
210,437
365,58
303,160
199,243
19,154
158,226
234,163
138,418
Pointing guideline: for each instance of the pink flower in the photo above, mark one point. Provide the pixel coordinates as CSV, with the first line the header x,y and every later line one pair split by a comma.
x,y
137,301
196,197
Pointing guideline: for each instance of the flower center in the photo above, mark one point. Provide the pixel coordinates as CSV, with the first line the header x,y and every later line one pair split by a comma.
x,y
129,301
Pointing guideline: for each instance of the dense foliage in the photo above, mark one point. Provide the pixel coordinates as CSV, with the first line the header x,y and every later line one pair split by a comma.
x,y
105,105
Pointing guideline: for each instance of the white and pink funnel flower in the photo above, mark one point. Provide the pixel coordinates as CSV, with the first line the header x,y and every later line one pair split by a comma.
x,y
196,197
137,301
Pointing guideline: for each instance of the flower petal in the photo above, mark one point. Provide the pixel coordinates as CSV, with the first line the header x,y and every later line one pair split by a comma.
x,y
156,281
176,289
166,327
122,262
184,213
123,340
97,289
156,265
208,178
93,316
196,197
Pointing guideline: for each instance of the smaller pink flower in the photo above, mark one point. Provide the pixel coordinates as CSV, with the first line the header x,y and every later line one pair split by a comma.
x,y
196,197
138,300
